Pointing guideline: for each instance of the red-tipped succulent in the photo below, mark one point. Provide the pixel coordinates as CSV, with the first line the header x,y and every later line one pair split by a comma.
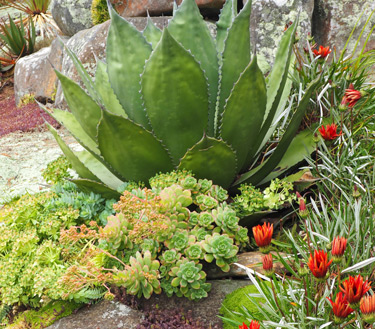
x,y
319,264
340,307
354,289
263,236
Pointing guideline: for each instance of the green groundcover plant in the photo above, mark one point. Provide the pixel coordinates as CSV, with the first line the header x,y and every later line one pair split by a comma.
x,y
180,99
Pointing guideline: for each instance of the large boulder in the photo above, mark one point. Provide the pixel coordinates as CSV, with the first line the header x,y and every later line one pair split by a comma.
x,y
333,22
105,315
72,16
269,18
160,7
34,74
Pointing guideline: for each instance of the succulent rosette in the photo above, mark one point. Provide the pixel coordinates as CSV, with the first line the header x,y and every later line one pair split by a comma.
x,y
220,248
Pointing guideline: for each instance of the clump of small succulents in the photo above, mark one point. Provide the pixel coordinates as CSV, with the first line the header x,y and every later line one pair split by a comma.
x,y
252,200
159,237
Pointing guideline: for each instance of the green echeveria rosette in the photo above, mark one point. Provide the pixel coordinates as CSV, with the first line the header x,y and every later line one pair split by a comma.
x,y
189,183
226,219
204,185
150,245
206,220
218,193
194,252
193,218
170,257
206,202
221,248
190,279
241,236
174,196
180,240
200,233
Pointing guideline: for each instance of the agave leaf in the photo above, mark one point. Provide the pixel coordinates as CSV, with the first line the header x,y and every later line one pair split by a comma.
x,y
68,120
76,163
127,51
209,159
188,27
85,77
257,175
235,57
89,186
276,84
244,111
131,150
174,89
98,169
152,33
301,146
84,108
227,15
103,87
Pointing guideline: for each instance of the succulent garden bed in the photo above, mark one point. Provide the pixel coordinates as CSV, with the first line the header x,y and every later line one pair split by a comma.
x,y
191,158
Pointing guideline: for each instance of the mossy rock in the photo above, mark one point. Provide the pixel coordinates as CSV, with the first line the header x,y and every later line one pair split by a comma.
x,y
234,303
44,317
99,11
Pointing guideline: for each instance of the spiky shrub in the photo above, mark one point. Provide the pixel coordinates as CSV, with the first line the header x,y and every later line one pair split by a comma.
x,y
178,99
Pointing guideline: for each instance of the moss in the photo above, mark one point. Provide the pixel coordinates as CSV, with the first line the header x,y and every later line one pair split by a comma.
x,y
26,99
45,316
99,11
235,301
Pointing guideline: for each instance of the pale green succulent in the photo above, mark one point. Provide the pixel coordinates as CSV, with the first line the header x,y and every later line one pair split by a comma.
x,y
221,248
141,278
190,279
225,218
179,98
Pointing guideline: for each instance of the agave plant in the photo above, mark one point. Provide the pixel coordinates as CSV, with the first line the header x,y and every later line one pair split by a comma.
x,y
178,99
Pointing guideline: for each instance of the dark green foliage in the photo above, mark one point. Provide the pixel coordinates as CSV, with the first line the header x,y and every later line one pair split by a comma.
x,y
99,11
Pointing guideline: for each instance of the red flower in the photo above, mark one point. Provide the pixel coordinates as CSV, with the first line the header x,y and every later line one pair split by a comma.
x,y
367,307
302,208
354,288
322,52
263,235
351,96
338,248
329,133
340,307
268,264
319,264
253,325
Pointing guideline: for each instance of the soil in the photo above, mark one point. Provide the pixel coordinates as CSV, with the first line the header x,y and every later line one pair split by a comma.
x,y
26,146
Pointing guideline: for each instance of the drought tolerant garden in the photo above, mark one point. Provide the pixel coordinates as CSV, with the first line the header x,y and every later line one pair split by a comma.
x,y
192,154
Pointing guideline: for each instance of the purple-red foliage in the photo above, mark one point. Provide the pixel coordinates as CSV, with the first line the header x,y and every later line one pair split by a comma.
x,y
25,118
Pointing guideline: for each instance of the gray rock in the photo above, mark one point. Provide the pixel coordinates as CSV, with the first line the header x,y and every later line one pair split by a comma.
x,y
72,16
160,7
104,315
333,22
252,260
268,20
34,74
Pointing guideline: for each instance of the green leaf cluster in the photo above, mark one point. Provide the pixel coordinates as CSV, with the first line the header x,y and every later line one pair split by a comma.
x,y
251,200
57,170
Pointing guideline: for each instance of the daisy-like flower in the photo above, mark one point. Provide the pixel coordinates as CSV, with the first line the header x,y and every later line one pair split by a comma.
x,y
267,263
367,307
354,289
253,325
329,132
351,97
263,236
340,307
338,249
322,52
319,264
